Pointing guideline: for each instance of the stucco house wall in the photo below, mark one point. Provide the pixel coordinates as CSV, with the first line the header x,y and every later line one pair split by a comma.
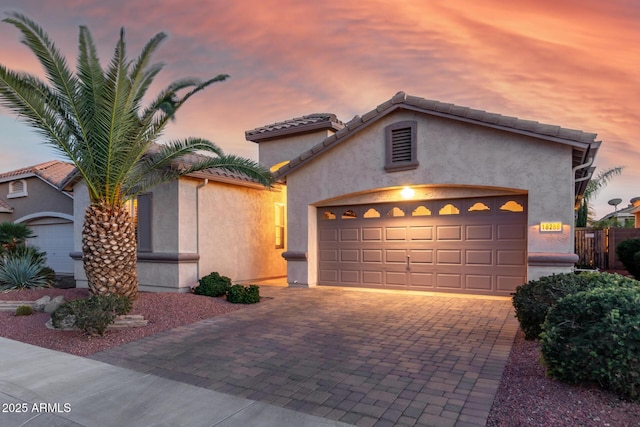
x,y
44,207
41,198
200,225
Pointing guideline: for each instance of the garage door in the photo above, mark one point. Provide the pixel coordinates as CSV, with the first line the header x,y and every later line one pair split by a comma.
x,y
57,241
461,245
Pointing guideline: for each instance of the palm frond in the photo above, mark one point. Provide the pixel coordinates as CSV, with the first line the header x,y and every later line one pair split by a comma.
x,y
601,180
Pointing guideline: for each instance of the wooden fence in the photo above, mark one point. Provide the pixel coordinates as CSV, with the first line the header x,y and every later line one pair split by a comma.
x,y
597,248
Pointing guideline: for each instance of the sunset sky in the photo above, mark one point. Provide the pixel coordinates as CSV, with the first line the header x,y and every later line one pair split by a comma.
x,y
573,63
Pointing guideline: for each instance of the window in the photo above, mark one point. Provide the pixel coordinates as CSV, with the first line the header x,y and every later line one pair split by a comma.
x,y
479,207
371,213
140,211
328,215
17,189
401,146
512,206
421,211
395,211
349,214
279,223
449,209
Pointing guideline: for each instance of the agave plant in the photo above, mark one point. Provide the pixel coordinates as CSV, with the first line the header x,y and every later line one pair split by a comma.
x,y
23,271
96,119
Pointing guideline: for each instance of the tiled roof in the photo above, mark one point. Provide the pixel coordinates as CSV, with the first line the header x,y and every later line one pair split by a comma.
x,y
215,174
54,172
312,122
584,144
4,206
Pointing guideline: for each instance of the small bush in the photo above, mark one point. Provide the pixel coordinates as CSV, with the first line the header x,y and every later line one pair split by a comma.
x,y
213,285
533,300
92,315
239,294
628,252
594,337
24,310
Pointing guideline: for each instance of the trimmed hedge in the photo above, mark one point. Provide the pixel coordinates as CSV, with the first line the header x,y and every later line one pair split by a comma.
x,y
594,337
533,300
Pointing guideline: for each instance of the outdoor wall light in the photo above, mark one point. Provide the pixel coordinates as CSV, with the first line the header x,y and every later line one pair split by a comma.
x,y
407,193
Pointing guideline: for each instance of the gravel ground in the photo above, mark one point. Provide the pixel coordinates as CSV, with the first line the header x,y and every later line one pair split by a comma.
x,y
525,396
162,310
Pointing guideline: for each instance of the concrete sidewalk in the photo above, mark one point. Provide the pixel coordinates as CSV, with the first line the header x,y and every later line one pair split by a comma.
x,y
46,388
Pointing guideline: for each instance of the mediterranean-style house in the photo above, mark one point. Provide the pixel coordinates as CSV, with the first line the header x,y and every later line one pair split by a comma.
x,y
33,196
415,194
419,194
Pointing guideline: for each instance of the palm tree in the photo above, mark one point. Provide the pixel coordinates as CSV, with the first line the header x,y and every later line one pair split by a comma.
x,y
13,235
594,187
95,118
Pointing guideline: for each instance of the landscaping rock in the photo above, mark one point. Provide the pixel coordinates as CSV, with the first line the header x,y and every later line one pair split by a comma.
x,y
40,304
53,304
66,324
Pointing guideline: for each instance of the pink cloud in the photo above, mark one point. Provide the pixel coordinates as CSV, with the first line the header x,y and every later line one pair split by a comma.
x,y
566,62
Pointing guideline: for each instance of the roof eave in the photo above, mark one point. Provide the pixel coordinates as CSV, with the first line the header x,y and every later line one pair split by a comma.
x,y
358,123
293,130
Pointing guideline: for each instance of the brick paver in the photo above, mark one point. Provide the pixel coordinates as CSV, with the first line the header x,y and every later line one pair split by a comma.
x,y
361,357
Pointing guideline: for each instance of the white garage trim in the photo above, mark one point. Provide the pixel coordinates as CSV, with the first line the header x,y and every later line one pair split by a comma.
x,y
37,215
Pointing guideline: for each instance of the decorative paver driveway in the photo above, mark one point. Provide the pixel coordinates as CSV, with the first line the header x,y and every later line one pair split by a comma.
x,y
361,357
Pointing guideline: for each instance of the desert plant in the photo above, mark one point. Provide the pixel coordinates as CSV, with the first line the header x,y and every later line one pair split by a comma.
x,y
24,310
13,235
213,285
533,300
94,314
239,294
594,337
23,272
628,252
95,117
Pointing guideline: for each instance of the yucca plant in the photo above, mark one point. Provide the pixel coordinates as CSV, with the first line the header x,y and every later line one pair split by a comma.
x,y
95,118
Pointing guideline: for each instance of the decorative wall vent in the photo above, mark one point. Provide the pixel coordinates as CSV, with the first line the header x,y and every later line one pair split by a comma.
x,y
401,146
17,189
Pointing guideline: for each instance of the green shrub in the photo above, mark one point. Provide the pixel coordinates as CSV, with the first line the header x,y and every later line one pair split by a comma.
x,y
594,337
628,252
239,294
213,285
533,300
92,315
24,270
24,310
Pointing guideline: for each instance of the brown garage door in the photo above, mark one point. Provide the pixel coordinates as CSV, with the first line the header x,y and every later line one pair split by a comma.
x,y
462,245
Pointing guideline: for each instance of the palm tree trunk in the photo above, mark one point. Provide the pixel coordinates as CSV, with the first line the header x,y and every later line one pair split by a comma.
x,y
109,251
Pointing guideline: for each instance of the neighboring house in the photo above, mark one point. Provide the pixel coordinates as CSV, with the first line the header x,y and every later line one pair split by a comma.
x,y
423,195
627,215
33,196
207,221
